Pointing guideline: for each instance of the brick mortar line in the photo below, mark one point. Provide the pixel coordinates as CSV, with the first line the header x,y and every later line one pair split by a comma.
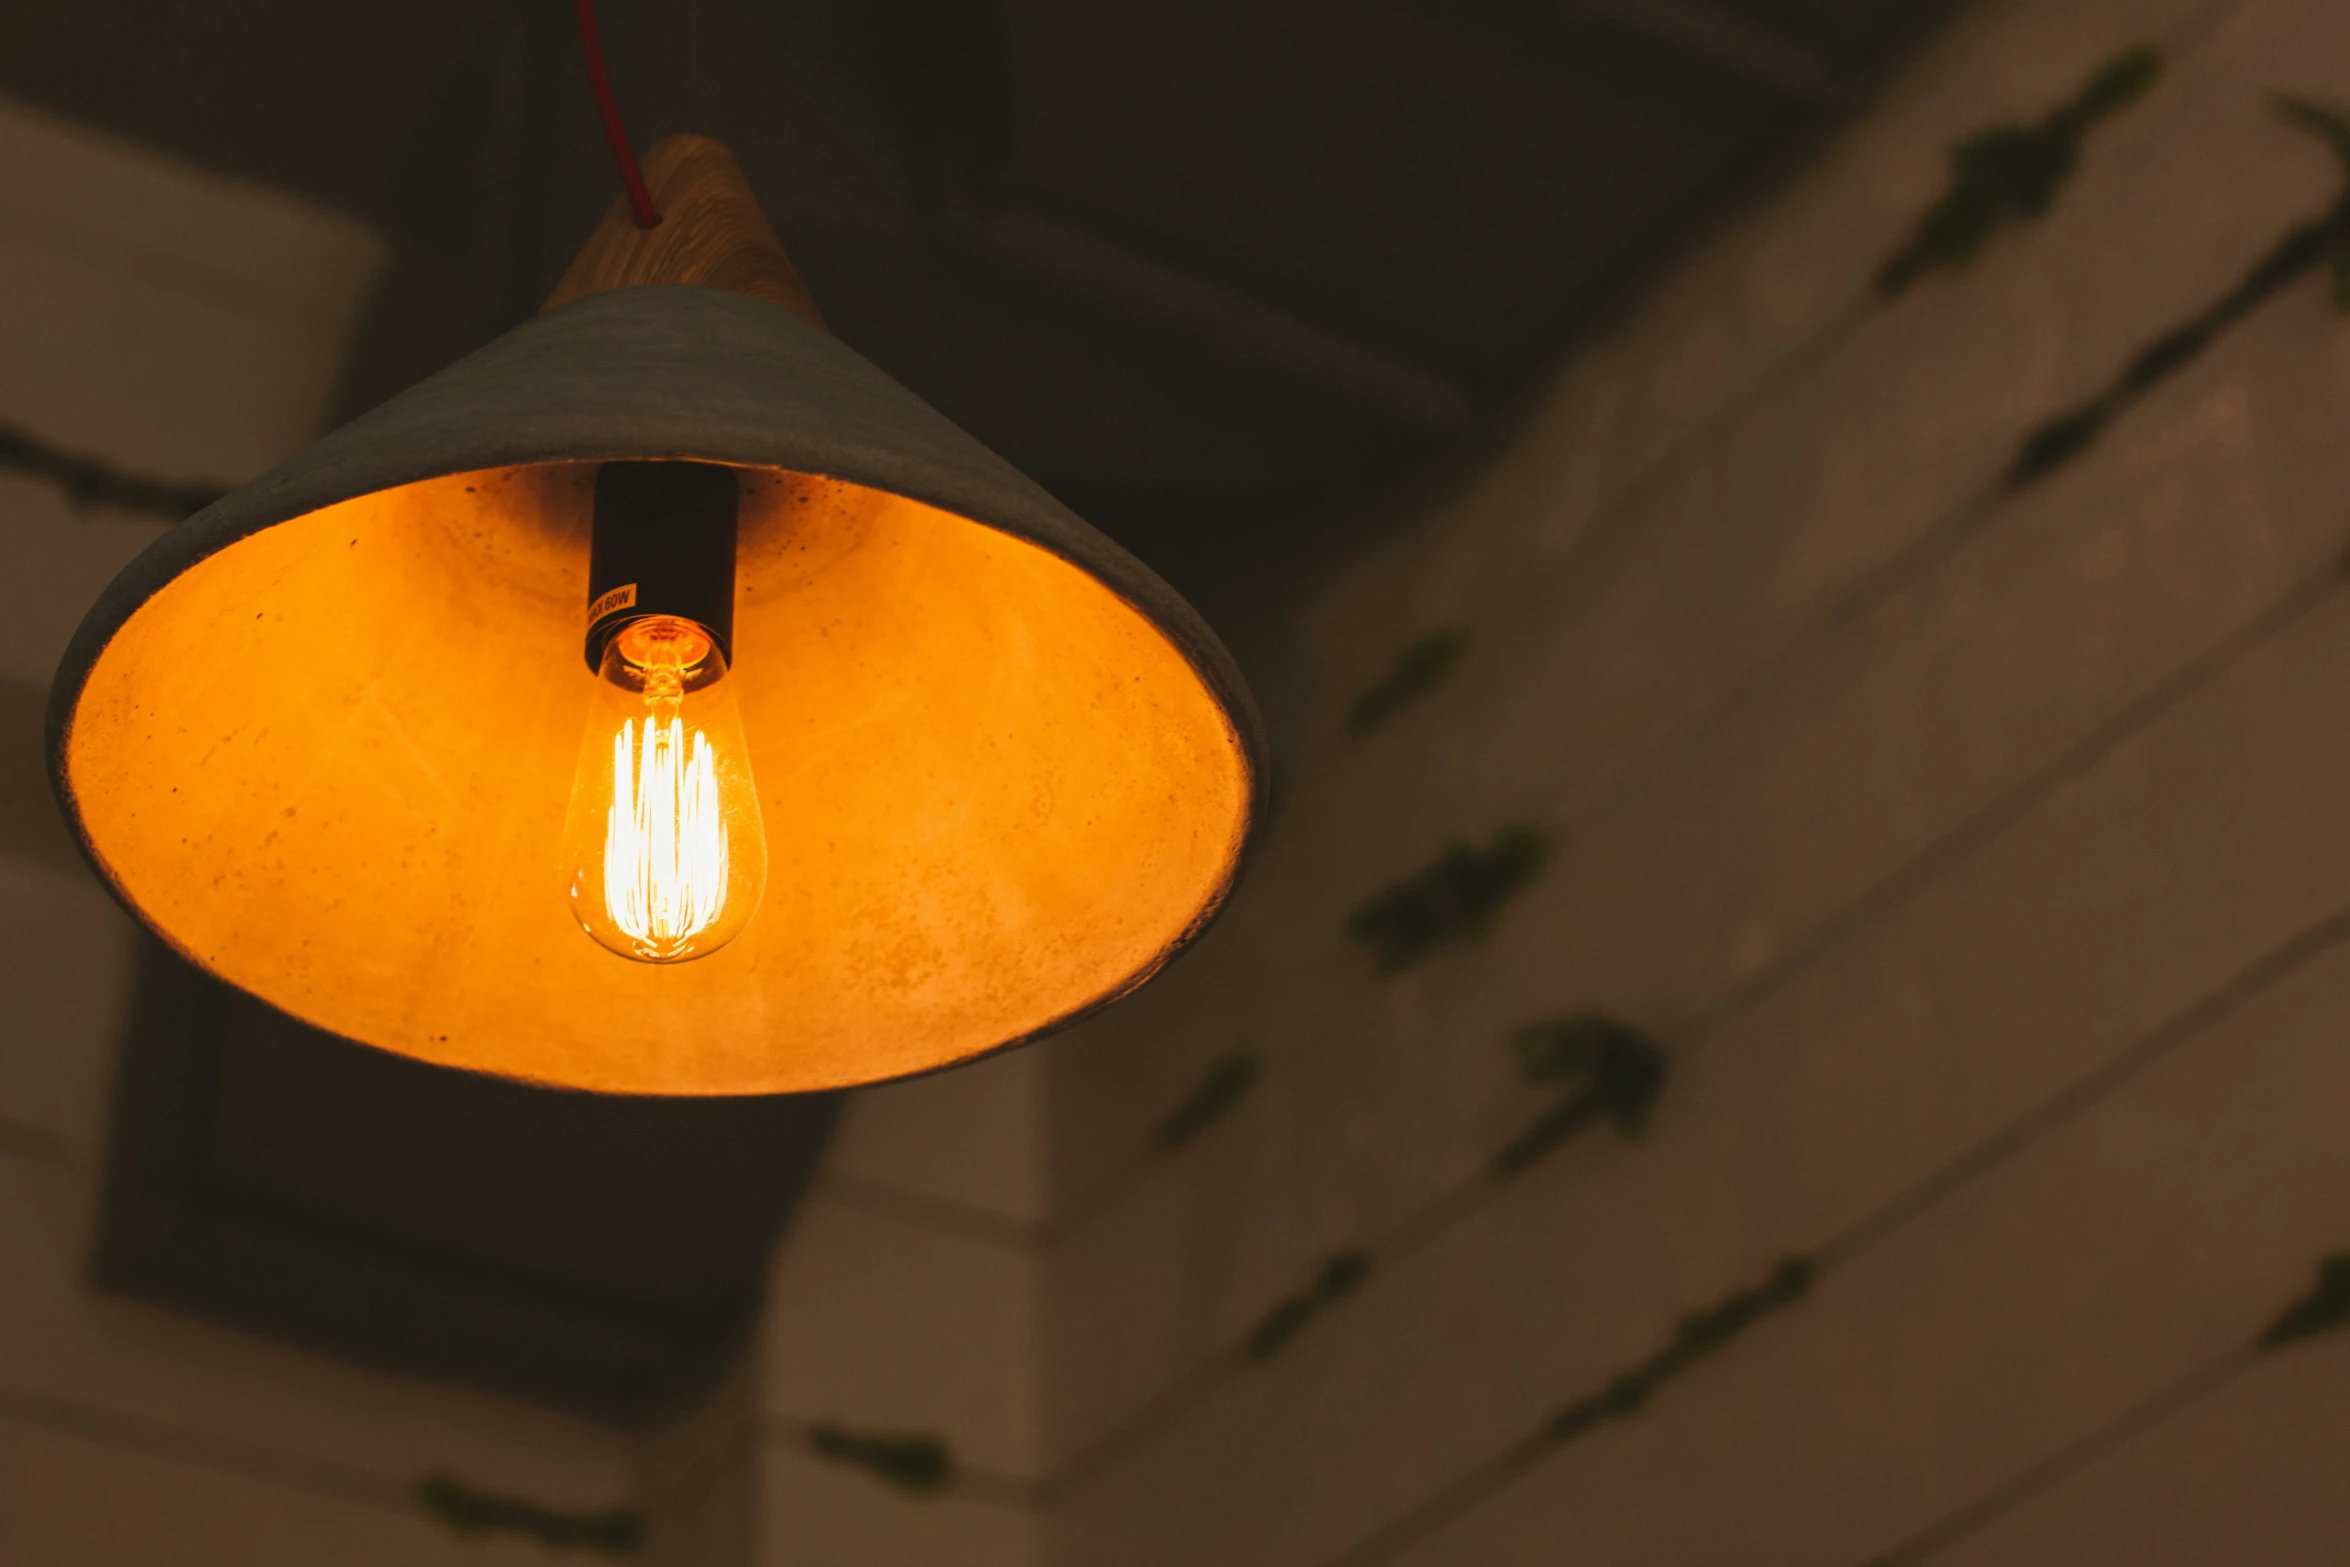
x,y
204,1450
2080,1454
969,1481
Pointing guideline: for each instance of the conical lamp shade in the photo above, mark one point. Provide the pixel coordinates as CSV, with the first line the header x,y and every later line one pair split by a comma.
x,y
321,736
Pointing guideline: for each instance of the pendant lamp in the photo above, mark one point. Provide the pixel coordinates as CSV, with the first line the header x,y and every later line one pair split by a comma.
x,y
660,700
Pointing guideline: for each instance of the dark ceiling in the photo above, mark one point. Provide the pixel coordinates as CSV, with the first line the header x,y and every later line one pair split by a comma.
x,y
1215,271
1204,267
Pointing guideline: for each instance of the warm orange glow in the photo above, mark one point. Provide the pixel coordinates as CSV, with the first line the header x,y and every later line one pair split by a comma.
x,y
664,841
663,848
993,792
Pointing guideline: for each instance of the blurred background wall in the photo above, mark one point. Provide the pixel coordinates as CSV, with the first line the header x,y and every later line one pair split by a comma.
x,y
181,323
1790,1008
1966,835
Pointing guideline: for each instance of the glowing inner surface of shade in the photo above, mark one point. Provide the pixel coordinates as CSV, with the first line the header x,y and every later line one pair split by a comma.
x,y
331,763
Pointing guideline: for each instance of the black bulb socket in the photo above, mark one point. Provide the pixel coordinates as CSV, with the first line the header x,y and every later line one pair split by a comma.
x,y
663,544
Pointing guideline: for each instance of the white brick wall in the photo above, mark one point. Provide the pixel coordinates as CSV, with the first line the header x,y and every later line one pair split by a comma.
x,y
1895,811
1900,815
903,1302
183,325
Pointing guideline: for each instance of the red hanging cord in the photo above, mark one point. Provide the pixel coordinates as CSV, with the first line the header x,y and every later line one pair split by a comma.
x,y
591,44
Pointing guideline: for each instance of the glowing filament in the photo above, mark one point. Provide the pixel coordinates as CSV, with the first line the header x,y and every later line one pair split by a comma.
x,y
665,867
663,847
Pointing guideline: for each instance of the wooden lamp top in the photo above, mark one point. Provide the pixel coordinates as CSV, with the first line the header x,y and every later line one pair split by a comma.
x,y
712,233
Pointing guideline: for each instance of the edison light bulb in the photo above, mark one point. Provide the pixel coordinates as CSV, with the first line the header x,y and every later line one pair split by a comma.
x,y
663,845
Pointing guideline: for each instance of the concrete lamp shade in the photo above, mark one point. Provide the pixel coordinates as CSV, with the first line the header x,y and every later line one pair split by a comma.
x,y
320,737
